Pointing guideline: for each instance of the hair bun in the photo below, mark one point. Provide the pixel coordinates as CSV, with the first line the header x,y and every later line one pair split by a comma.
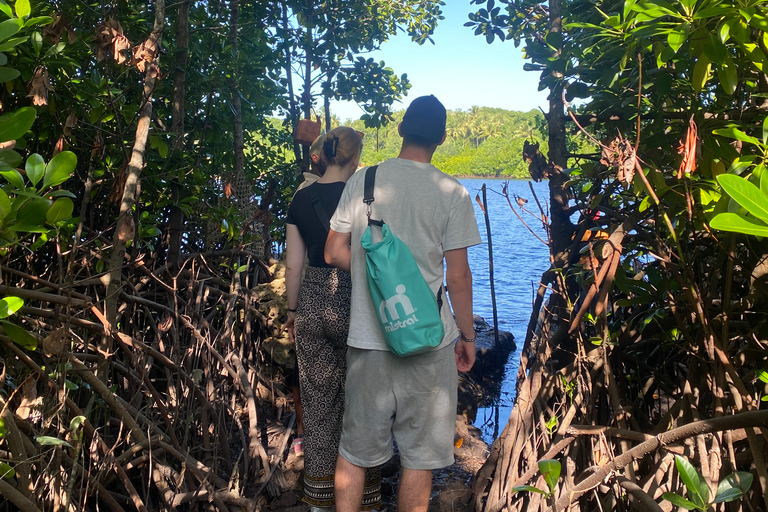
x,y
330,146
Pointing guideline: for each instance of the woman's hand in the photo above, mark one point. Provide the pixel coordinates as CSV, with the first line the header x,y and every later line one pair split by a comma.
x,y
289,326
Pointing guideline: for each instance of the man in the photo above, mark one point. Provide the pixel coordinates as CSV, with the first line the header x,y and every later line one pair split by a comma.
x,y
412,398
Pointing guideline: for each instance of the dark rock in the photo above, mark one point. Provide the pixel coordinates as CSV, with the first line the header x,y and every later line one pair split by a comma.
x,y
484,380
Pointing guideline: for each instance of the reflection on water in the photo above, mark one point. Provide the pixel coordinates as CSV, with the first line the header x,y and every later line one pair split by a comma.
x,y
519,261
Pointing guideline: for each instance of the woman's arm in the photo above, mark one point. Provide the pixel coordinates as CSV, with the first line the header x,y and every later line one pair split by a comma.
x,y
296,253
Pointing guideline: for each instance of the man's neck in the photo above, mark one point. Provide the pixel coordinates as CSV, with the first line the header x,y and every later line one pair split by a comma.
x,y
416,154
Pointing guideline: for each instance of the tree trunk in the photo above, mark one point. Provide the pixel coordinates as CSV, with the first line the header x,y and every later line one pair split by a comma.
x,y
289,75
125,225
239,143
176,220
561,227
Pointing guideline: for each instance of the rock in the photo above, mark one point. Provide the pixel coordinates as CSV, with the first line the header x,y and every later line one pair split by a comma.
x,y
484,380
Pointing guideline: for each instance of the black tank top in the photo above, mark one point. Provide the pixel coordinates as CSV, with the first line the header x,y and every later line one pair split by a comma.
x,y
302,214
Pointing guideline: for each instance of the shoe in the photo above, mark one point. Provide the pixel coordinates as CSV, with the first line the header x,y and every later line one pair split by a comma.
x,y
298,446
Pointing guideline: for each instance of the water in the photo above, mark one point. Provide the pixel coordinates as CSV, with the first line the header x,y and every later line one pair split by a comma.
x,y
519,261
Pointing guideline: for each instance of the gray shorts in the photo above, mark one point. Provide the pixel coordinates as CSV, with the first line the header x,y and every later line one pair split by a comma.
x,y
411,398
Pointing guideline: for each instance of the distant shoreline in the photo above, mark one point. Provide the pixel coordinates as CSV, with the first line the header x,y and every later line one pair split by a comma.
x,y
500,178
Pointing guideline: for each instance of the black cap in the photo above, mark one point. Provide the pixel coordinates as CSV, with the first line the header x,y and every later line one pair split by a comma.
x,y
425,118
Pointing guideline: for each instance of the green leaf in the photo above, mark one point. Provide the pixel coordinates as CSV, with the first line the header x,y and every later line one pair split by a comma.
x,y
34,212
14,177
10,158
8,74
715,49
9,306
735,223
5,205
728,75
14,125
22,8
677,36
12,43
60,210
678,501
550,469
39,20
701,73
51,441
554,39
746,194
61,193
59,169
733,486
2,428
528,488
724,32
759,22
9,28
691,479
6,471
764,183
6,9
762,375
19,335
35,168
734,133
76,423
765,130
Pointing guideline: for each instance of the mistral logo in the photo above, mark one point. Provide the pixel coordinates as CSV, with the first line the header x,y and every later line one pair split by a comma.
x,y
389,308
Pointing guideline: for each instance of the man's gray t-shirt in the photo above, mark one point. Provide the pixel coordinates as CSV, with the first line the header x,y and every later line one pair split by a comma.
x,y
428,210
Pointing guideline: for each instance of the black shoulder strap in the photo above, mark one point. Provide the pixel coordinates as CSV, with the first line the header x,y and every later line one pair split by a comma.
x,y
370,181
318,205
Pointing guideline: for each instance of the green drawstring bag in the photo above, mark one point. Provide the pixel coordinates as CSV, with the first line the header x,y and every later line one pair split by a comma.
x,y
408,311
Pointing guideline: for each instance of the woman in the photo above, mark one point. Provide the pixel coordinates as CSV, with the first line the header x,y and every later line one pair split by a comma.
x,y
317,169
318,319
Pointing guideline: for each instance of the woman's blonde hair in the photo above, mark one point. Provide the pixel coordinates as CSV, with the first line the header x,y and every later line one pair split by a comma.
x,y
341,146
317,149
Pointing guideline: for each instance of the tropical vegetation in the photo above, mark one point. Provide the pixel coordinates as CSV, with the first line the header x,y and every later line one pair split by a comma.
x,y
644,378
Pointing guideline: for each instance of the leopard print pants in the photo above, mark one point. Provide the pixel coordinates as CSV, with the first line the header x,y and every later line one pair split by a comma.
x,y
322,326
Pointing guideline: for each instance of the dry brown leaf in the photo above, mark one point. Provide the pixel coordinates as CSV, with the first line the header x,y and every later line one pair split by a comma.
x,y
165,325
39,87
110,40
146,52
59,147
28,399
97,147
71,36
688,149
56,342
120,45
53,31
70,123
620,155
538,167
116,194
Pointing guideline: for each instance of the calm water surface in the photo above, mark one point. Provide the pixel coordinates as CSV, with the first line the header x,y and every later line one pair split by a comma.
x,y
519,261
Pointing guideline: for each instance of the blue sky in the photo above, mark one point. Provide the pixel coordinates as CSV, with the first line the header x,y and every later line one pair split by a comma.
x,y
461,69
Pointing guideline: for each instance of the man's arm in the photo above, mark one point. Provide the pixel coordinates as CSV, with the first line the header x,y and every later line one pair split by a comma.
x,y
459,279
337,250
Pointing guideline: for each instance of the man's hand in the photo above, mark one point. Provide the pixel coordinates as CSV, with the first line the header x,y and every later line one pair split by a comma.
x,y
465,355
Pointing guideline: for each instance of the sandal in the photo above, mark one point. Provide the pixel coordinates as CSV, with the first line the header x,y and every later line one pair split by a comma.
x,y
298,446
